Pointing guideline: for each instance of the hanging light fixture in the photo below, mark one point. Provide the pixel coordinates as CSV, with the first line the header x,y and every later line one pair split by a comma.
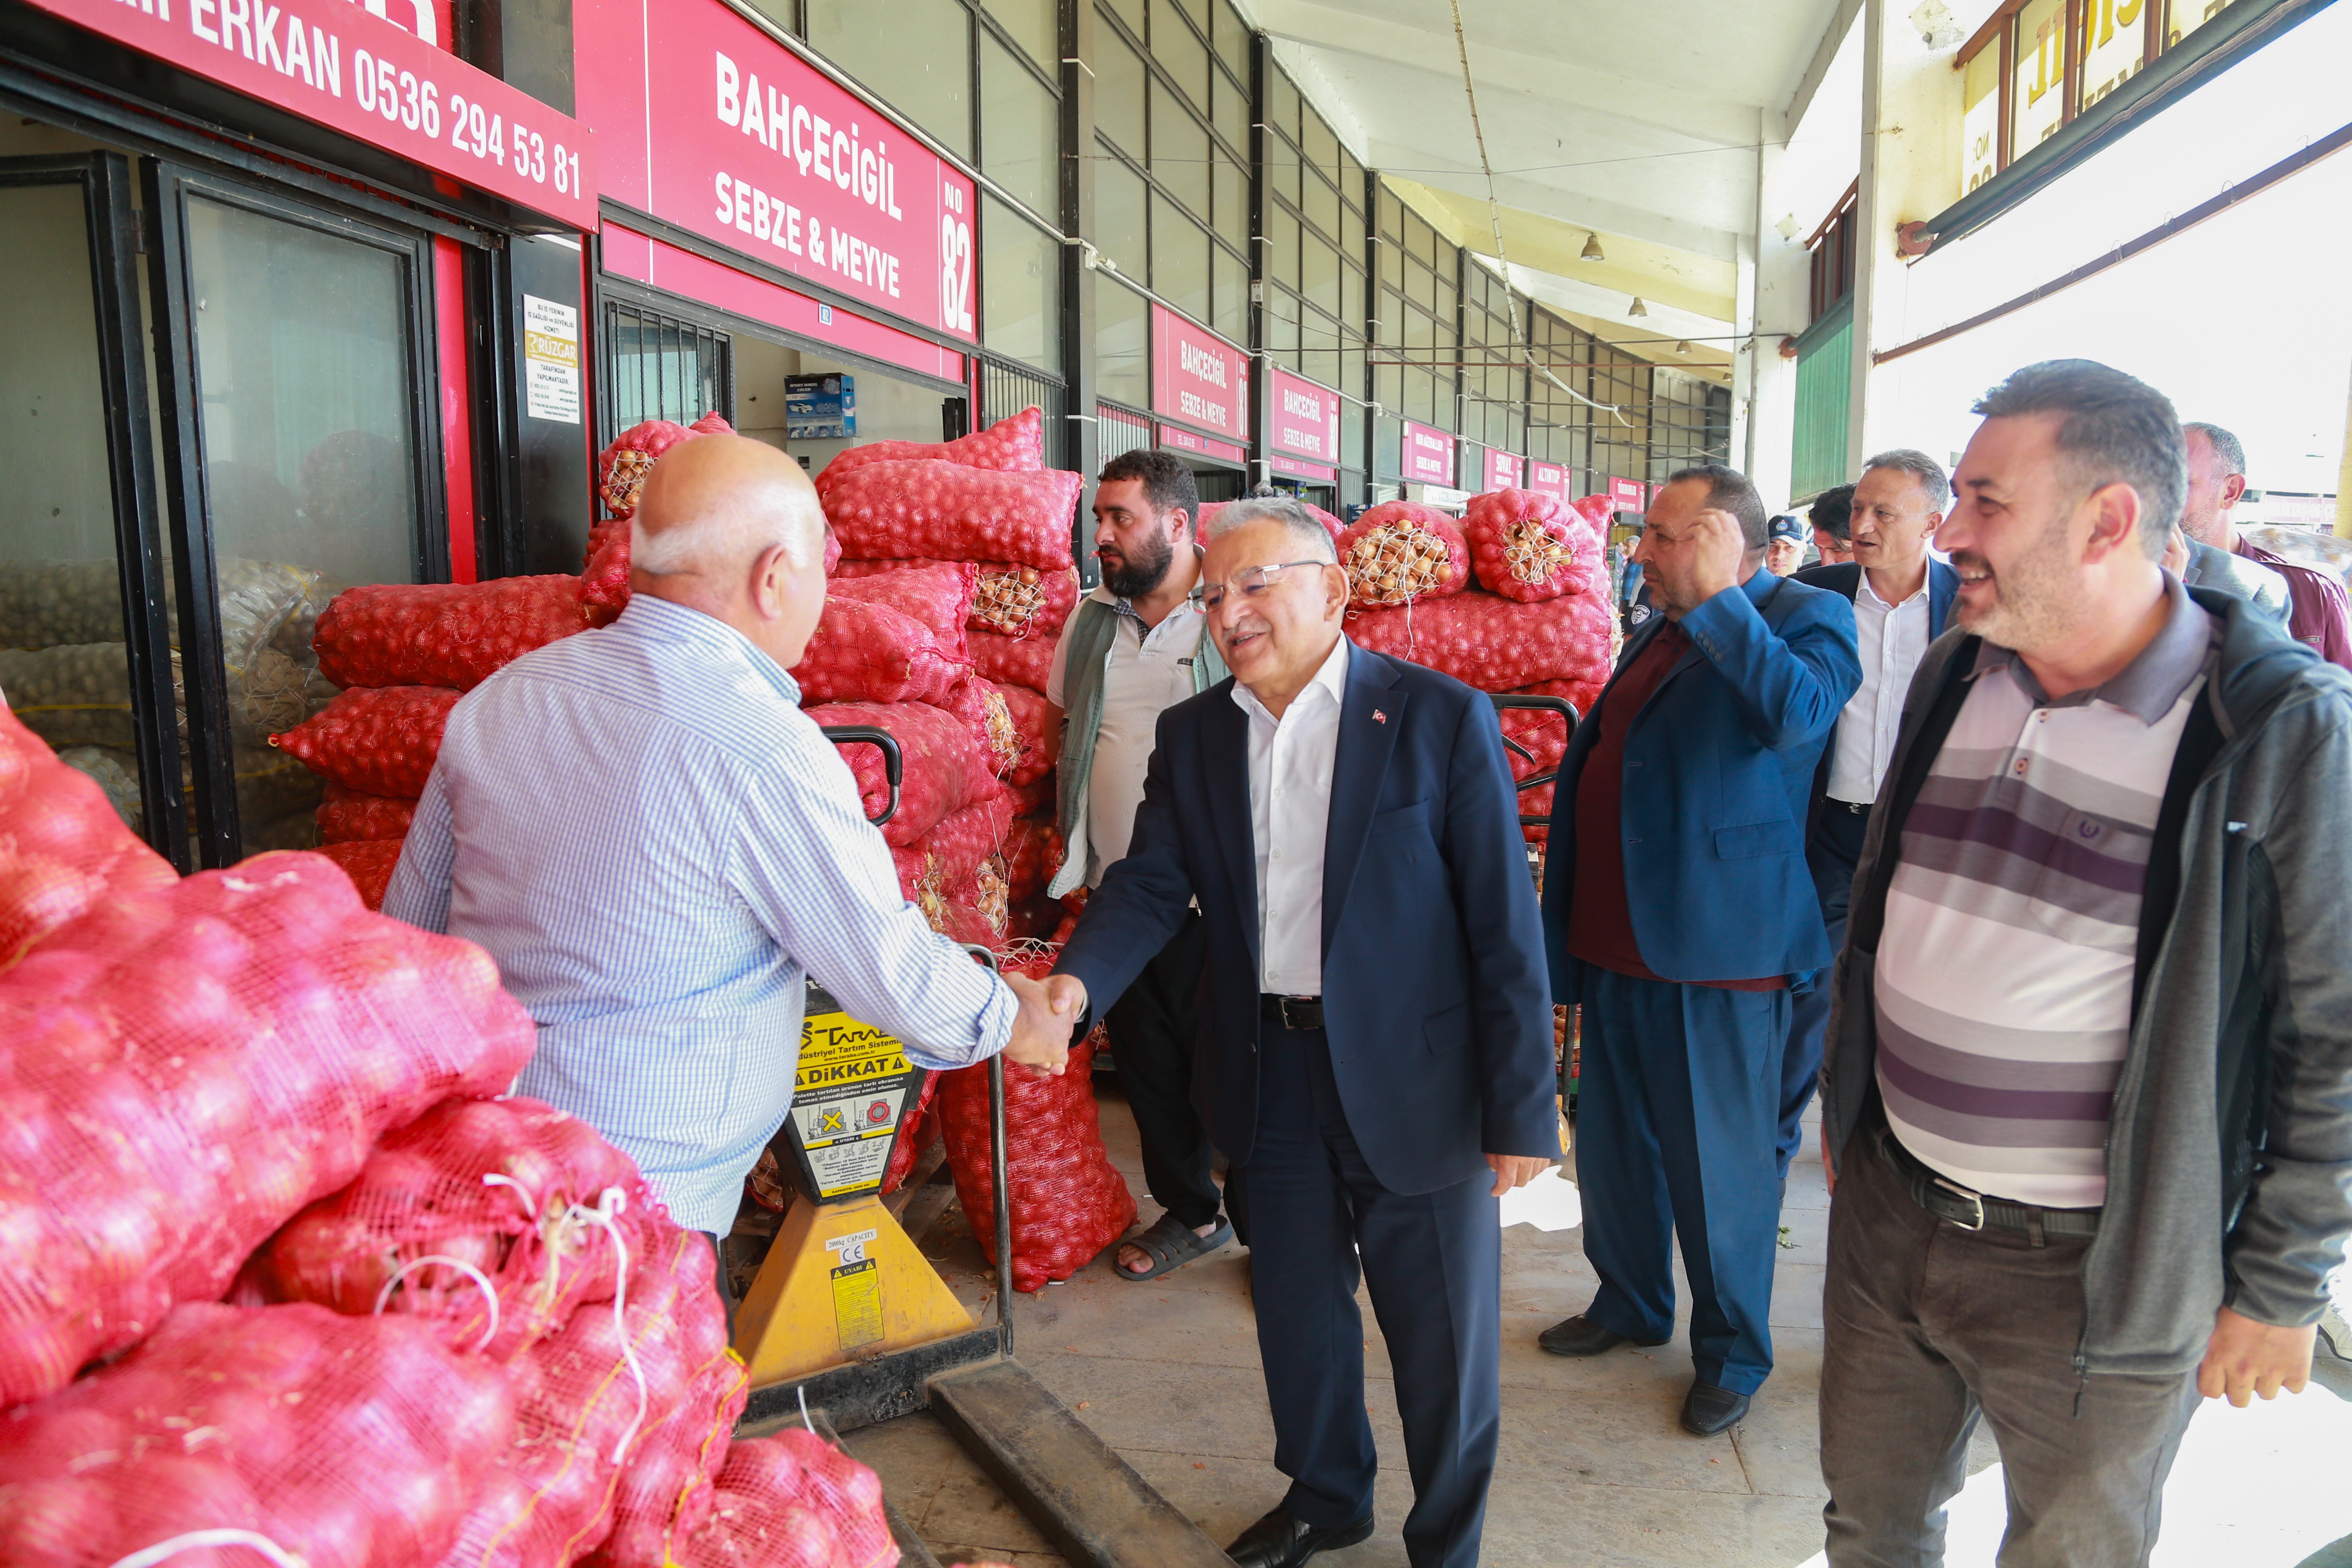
x,y
1592,251
1638,309
1683,349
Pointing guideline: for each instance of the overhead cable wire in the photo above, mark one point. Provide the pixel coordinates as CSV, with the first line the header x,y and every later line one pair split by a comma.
x,y
1495,215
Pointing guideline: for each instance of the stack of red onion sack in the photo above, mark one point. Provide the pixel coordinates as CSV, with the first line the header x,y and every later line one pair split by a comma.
x,y
1513,599
280,1279
404,653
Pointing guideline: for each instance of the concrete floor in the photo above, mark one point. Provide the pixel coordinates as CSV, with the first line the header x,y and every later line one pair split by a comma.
x,y
1593,1469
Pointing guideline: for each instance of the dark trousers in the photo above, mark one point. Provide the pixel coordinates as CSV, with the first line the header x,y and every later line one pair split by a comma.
x,y
1832,850
1674,1120
1153,1027
1930,1328
726,1286
1435,1263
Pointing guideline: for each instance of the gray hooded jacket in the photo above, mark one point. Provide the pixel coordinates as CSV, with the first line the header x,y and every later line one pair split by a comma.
x,y
2230,1147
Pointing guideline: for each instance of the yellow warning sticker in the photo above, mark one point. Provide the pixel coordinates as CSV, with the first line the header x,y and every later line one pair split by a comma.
x,y
857,1303
836,1049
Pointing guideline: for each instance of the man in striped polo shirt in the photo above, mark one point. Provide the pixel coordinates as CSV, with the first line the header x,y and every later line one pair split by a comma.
x,y
2088,1088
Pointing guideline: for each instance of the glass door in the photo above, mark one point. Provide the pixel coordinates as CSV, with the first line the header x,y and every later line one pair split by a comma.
x,y
301,456
85,630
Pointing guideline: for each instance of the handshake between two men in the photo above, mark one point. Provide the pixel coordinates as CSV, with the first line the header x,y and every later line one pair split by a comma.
x,y
1049,1014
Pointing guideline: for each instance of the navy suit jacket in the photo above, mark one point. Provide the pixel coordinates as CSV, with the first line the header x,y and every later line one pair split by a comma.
x,y
1718,781
1844,579
1434,1003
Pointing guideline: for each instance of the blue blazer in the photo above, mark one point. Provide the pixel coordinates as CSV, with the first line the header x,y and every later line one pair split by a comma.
x,y
1435,1001
1718,781
1844,579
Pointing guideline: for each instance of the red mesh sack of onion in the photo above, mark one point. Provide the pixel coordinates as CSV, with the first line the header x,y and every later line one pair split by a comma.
x,y
441,634
1013,661
890,511
1033,853
376,739
256,1435
1068,1202
1525,545
349,816
950,854
1039,725
62,848
871,653
666,1490
936,596
1332,525
369,863
622,469
1010,600
1543,736
982,705
793,1500
1492,643
1401,551
947,763
915,1130
1013,445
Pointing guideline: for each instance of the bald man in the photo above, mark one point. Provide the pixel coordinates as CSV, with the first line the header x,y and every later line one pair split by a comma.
x,y
655,844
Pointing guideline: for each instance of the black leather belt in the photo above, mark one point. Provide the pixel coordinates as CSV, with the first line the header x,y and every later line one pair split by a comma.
x,y
1293,1011
1850,807
1947,1199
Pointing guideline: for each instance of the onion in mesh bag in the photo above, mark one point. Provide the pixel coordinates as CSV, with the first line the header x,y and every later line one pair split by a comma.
x,y
1010,600
1493,643
62,848
871,653
376,739
1015,444
793,1500
949,856
1033,853
1402,550
947,765
1527,546
622,466
937,597
916,1127
981,704
347,1442
1332,525
349,816
1068,1201
442,634
950,512
369,863
668,1488
192,1064
1039,724
1013,661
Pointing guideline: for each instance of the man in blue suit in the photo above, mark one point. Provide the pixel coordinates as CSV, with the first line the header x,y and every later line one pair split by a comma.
x,y
1900,595
1375,1054
1679,913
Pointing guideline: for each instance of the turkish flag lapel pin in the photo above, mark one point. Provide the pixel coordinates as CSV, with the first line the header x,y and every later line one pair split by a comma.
x,y
1380,715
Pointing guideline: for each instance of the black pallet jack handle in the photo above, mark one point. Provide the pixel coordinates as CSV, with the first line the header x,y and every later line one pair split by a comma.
x,y
1561,705
894,765
1003,1204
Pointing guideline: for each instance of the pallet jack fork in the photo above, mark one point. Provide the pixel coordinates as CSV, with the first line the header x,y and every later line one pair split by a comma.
x,y
847,1324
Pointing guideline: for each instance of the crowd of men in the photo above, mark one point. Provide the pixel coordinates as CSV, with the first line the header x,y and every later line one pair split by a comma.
x,y
2026,848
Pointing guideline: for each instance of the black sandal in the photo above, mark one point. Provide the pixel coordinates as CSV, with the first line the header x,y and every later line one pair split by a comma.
x,y
1170,1245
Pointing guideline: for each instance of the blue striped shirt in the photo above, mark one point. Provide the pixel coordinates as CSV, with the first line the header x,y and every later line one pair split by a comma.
x,y
655,844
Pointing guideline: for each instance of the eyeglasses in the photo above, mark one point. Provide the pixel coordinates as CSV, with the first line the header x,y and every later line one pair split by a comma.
x,y
1249,582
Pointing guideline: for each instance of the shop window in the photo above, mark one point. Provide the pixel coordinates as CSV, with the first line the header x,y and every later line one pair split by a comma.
x,y
1229,202
2038,76
1282,326
1282,170
1034,24
2113,44
1352,435
915,56
1351,298
1122,344
1179,259
1119,432
1231,111
1319,351
1281,252
1019,129
1232,36
1181,54
659,367
1229,297
1179,151
1118,218
1282,105
1118,94
1393,265
1319,274
1020,288
1388,445
1388,384
1320,145
1321,206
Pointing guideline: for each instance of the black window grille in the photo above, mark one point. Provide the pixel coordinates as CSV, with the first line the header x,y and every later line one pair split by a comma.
x,y
660,367
1121,430
1006,387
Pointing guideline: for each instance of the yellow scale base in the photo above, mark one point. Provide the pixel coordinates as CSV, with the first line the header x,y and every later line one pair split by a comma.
x,y
843,1283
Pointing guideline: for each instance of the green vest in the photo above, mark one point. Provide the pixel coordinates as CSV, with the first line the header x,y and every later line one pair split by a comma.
x,y
1092,630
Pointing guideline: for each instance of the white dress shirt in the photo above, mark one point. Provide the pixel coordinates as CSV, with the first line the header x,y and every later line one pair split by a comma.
x,y
1148,671
1892,640
1291,762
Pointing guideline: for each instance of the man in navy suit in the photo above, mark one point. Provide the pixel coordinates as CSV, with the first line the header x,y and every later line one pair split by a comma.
x,y
1679,913
1375,1054
1900,595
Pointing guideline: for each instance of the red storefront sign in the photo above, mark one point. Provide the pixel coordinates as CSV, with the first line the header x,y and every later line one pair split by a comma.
x,y
1629,495
1292,468
1503,470
714,127
1554,480
1185,441
1305,419
1197,376
334,63
1428,456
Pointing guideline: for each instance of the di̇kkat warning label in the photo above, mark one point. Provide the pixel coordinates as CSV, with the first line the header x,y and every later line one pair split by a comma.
x,y
848,1087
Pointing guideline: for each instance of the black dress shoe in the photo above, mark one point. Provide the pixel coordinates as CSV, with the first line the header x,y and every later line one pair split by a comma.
x,y
1580,1335
1707,1410
1283,1541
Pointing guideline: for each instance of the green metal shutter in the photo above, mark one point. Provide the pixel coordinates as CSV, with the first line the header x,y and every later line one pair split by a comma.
x,y
1825,397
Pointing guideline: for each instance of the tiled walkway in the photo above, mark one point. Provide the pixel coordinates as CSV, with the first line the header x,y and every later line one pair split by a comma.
x,y
1594,1469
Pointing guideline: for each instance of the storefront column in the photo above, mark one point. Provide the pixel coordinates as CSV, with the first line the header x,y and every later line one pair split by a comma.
x,y
1773,301
2344,478
1078,217
1262,69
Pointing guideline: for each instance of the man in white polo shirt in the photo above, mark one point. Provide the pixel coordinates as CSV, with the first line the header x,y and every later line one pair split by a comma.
x,y
2089,1080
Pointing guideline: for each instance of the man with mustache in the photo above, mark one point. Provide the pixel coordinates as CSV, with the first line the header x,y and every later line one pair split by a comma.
x,y
1132,649
2088,1090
